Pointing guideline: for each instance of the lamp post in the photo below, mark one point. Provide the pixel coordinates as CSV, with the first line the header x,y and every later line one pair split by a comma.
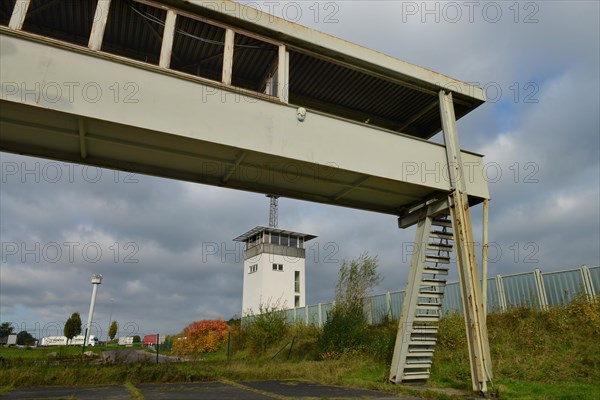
x,y
96,280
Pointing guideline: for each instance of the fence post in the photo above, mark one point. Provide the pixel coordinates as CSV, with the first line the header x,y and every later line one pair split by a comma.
x,y
306,312
588,285
388,305
295,314
501,294
320,316
228,346
541,289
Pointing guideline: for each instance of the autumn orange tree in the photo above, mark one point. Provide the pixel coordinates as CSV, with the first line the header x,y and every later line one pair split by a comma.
x,y
202,337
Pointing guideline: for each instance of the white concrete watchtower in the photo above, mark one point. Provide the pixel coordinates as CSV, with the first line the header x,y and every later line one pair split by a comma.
x,y
274,267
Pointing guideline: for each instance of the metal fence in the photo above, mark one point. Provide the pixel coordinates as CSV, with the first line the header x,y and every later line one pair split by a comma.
x,y
530,289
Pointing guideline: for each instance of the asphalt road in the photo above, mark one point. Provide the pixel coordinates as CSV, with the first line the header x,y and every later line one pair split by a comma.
x,y
258,390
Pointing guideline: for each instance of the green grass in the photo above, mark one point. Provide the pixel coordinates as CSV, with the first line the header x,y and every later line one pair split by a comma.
x,y
41,353
535,355
510,389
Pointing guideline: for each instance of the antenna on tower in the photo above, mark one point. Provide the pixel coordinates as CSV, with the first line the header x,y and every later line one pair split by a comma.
x,y
273,214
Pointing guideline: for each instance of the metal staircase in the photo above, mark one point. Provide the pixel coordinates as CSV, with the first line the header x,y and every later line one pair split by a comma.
x,y
422,307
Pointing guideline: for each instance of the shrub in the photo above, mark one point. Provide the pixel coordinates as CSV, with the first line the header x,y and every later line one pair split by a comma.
x,y
346,329
202,337
264,329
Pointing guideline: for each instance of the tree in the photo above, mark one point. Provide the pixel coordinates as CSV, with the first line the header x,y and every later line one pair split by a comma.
x,y
355,281
112,331
24,338
202,337
137,339
346,327
73,326
6,329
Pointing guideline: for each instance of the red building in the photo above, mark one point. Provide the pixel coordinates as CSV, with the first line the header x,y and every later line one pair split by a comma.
x,y
150,340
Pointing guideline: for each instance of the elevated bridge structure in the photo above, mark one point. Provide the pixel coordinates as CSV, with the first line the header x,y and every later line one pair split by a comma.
x,y
218,93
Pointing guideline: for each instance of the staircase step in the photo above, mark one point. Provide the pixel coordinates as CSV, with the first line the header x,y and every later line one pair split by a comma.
x,y
431,329
437,259
431,294
418,342
441,235
442,222
419,353
435,271
429,306
429,282
440,246
420,336
427,318
410,376
418,365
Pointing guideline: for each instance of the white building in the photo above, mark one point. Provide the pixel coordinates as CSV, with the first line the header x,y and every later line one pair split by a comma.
x,y
274,268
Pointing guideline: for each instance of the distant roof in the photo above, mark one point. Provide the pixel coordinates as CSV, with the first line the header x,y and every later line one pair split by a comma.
x,y
259,229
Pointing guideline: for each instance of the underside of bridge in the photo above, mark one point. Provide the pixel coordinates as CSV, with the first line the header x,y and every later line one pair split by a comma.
x,y
218,93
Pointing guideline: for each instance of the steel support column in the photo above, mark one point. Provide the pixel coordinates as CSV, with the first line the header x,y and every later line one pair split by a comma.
x,y
476,327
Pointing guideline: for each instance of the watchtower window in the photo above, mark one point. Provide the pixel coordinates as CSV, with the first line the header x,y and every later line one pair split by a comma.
x,y
277,267
275,238
284,240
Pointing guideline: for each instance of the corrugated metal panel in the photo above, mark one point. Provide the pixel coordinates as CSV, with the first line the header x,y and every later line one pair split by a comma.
x,y
378,308
134,30
326,309
493,301
289,316
362,97
520,290
595,273
252,61
397,301
6,10
452,302
313,315
198,48
69,21
562,287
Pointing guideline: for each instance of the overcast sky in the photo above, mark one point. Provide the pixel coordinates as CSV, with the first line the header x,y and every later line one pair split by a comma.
x,y
153,239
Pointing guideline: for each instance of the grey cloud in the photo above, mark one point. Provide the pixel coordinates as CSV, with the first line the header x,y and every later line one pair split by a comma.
x,y
176,281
